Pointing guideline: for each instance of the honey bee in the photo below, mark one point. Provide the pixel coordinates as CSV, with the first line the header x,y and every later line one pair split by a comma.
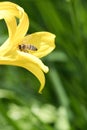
x,y
27,47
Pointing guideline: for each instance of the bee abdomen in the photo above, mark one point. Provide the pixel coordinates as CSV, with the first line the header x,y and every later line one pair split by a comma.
x,y
31,47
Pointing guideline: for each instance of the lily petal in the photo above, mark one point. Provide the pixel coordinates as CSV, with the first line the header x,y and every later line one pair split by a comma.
x,y
44,41
34,65
11,25
10,11
7,46
23,57
22,28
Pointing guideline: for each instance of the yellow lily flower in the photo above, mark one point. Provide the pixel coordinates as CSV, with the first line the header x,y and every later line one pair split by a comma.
x,y
13,50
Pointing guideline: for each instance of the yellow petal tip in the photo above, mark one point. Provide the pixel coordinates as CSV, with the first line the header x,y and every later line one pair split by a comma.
x,y
46,69
40,92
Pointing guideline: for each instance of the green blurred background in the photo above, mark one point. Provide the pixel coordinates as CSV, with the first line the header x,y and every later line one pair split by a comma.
x,y
63,104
